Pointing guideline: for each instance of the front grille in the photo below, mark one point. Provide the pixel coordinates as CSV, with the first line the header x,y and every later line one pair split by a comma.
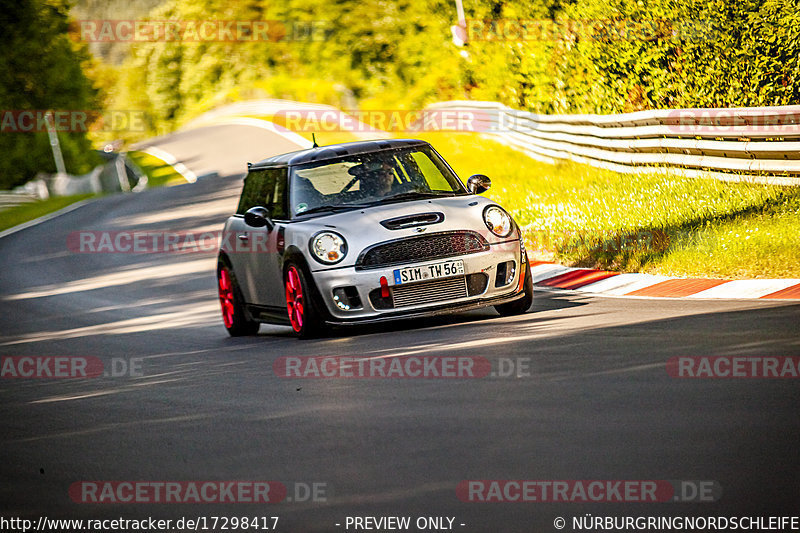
x,y
422,248
439,290
429,292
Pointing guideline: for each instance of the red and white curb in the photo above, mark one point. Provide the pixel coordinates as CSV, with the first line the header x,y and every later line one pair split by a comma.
x,y
553,276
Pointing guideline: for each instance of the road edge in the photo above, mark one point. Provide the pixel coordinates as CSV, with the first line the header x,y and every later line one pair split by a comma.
x,y
45,218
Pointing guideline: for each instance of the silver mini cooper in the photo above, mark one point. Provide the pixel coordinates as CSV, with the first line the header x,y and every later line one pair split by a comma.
x,y
363,232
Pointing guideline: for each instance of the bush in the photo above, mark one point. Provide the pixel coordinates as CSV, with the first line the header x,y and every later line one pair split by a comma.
x,y
41,69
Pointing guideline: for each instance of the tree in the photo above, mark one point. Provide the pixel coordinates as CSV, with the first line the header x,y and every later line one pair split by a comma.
x,y
41,68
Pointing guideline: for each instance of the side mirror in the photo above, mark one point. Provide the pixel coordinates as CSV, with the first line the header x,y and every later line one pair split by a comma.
x,y
258,217
478,184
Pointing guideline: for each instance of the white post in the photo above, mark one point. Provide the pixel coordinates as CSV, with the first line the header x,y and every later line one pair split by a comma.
x,y
54,144
462,21
459,30
122,173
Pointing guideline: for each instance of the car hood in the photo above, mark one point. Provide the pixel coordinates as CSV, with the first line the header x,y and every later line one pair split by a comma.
x,y
362,228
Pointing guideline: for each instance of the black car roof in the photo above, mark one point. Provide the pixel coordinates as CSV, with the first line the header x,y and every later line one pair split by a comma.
x,y
334,151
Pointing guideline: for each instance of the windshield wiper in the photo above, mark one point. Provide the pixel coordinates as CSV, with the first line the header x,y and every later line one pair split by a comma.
x,y
414,195
339,207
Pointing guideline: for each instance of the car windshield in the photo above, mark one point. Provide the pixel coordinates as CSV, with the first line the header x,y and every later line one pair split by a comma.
x,y
372,178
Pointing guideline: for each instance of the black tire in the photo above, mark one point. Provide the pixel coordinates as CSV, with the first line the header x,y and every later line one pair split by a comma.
x,y
301,305
518,307
234,316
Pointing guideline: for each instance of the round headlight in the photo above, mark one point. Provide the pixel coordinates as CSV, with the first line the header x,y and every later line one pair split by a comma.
x,y
497,221
328,247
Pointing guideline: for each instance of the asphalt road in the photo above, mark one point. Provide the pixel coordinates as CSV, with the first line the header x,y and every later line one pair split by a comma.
x,y
596,404
223,148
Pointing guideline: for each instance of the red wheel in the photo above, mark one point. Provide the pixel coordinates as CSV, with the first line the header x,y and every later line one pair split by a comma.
x,y
300,307
294,298
226,297
234,315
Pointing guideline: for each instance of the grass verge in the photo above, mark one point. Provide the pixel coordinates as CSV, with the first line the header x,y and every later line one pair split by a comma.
x,y
661,224
159,173
13,216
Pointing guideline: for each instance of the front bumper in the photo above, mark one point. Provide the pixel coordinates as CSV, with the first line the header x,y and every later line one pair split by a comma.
x,y
437,297
428,312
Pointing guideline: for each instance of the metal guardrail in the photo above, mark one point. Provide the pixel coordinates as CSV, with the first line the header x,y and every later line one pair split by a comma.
x,y
119,173
11,199
737,144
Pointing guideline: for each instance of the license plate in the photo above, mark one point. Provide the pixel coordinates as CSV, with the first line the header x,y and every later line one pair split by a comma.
x,y
442,269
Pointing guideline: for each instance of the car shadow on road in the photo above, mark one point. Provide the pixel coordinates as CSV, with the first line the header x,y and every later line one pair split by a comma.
x,y
543,301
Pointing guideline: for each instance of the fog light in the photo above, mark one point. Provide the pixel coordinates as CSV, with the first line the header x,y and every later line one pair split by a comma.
x,y
511,270
505,273
346,298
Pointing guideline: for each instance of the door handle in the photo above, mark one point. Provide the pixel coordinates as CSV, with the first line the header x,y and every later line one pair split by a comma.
x,y
243,237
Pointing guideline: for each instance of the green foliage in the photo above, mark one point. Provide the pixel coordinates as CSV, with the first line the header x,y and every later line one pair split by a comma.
x,y
41,69
610,56
600,56
110,51
377,53
159,173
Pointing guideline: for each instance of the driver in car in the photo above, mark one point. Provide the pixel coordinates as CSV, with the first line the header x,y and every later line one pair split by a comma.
x,y
377,178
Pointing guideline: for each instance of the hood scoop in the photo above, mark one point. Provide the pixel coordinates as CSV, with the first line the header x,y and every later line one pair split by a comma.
x,y
410,221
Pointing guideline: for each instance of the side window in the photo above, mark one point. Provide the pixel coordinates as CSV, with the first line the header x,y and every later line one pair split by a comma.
x,y
252,194
265,188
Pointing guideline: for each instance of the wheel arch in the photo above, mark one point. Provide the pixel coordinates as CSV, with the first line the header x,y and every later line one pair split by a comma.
x,y
293,254
223,262
222,257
